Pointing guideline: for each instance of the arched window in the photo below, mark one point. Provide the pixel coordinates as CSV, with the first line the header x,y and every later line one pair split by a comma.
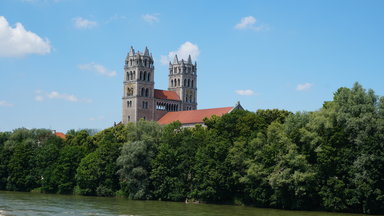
x,y
134,74
141,75
127,103
145,62
189,82
129,118
131,62
142,91
185,82
127,76
175,83
190,98
131,75
171,83
178,82
149,76
186,98
192,83
145,75
146,92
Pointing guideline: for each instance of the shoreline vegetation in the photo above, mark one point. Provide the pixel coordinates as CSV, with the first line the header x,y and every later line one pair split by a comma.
x,y
331,159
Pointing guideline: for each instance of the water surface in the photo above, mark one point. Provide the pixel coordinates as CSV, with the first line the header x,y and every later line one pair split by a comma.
x,y
31,204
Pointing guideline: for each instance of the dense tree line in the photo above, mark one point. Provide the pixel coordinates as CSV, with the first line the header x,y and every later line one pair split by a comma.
x,y
330,159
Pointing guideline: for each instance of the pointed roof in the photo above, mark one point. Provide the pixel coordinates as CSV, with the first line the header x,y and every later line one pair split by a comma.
x,y
131,52
60,134
146,52
189,59
166,95
193,116
175,60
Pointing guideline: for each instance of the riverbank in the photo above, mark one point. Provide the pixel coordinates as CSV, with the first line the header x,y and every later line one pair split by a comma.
x,y
33,204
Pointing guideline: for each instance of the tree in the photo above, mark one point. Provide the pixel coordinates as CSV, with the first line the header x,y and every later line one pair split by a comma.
x,y
135,159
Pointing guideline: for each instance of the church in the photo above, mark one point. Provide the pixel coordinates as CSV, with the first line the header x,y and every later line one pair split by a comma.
x,y
179,103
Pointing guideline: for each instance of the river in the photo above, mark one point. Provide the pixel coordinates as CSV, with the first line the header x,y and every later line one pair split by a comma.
x,y
31,204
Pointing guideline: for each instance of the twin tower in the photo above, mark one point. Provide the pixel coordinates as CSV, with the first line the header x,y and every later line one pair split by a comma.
x,y
140,98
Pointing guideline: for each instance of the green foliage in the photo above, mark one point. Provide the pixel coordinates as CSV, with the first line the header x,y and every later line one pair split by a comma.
x,y
330,159
135,159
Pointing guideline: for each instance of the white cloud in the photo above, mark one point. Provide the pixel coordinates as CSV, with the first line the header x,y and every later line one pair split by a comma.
x,y
82,23
247,92
41,96
17,42
151,18
98,68
249,22
183,52
5,104
304,87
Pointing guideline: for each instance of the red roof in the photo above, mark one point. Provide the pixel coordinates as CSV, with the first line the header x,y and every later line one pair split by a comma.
x,y
192,116
167,95
61,135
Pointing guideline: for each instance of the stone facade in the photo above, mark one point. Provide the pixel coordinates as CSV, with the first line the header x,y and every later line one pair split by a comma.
x,y
142,101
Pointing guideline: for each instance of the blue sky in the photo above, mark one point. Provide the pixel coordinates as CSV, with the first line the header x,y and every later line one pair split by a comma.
x,y
61,61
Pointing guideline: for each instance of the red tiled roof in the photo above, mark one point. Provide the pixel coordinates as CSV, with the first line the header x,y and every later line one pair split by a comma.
x,y
61,135
192,116
167,95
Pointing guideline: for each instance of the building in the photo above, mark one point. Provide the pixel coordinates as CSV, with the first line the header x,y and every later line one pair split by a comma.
x,y
142,101
192,117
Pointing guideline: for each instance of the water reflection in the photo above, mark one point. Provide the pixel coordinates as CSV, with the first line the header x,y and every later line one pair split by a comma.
x,y
31,204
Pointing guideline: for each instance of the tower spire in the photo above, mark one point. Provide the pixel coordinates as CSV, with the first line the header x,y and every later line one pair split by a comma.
x,y
175,60
131,52
146,52
189,59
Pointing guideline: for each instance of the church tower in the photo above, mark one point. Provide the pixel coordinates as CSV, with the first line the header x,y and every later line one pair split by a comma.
x,y
138,92
182,80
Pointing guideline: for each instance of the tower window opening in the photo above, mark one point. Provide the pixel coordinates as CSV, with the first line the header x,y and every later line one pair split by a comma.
x,y
171,83
145,76
149,76
178,82
192,83
142,91
189,82
141,75
185,82
146,92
